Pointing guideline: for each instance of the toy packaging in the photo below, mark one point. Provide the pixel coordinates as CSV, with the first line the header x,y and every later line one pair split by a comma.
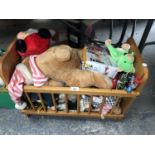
x,y
97,59
97,54
110,71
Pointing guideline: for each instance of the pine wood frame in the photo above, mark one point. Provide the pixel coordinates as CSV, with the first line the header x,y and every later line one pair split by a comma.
x,y
11,58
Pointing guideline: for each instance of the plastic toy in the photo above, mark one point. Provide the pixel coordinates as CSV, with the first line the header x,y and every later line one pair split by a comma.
x,y
128,82
122,81
134,81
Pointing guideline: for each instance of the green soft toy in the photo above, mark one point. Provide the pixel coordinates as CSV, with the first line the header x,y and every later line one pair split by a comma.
x,y
121,57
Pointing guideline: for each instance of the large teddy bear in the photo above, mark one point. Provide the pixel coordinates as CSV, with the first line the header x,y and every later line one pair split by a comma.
x,y
58,66
64,67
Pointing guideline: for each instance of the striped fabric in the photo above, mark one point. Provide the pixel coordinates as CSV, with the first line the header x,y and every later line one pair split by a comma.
x,y
15,86
37,77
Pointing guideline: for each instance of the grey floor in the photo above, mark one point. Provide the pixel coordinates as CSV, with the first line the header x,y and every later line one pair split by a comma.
x,y
140,119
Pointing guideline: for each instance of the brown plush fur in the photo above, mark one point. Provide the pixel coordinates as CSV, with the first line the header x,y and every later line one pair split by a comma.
x,y
62,65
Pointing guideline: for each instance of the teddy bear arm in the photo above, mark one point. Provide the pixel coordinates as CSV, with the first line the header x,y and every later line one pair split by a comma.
x,y
102,81
54,83
85,78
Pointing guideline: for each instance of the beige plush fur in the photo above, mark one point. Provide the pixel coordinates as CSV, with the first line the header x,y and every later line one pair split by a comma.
x,y
62,65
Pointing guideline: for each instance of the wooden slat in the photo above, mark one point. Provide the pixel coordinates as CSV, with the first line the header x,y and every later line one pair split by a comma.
x,y
63,113
111,111
66,103
117,102
54,102
29,100
42,102
39,108
86,91
104,101
127,102
78,103
90,103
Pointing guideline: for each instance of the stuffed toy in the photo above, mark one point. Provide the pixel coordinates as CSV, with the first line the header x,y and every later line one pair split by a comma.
x,y
64,68
58,66
121,57
111,103
33,42
36,100
30,42
61,99
85,102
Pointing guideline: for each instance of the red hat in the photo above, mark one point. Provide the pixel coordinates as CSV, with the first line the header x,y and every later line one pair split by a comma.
x,y
34,44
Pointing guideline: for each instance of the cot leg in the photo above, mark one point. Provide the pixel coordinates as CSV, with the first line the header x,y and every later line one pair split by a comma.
x,y
27,115
126,104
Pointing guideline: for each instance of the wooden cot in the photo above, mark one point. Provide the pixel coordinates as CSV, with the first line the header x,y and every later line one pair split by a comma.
x,y
11,59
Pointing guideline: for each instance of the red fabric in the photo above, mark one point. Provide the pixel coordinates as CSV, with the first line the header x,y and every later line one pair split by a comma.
x,y
35,45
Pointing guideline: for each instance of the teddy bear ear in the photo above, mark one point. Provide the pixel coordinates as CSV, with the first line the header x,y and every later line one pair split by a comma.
x,y
21,46
63,53
44,33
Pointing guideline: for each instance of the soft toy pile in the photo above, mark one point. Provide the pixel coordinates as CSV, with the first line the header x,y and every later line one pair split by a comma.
x,y
65,66
30,42
57,66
